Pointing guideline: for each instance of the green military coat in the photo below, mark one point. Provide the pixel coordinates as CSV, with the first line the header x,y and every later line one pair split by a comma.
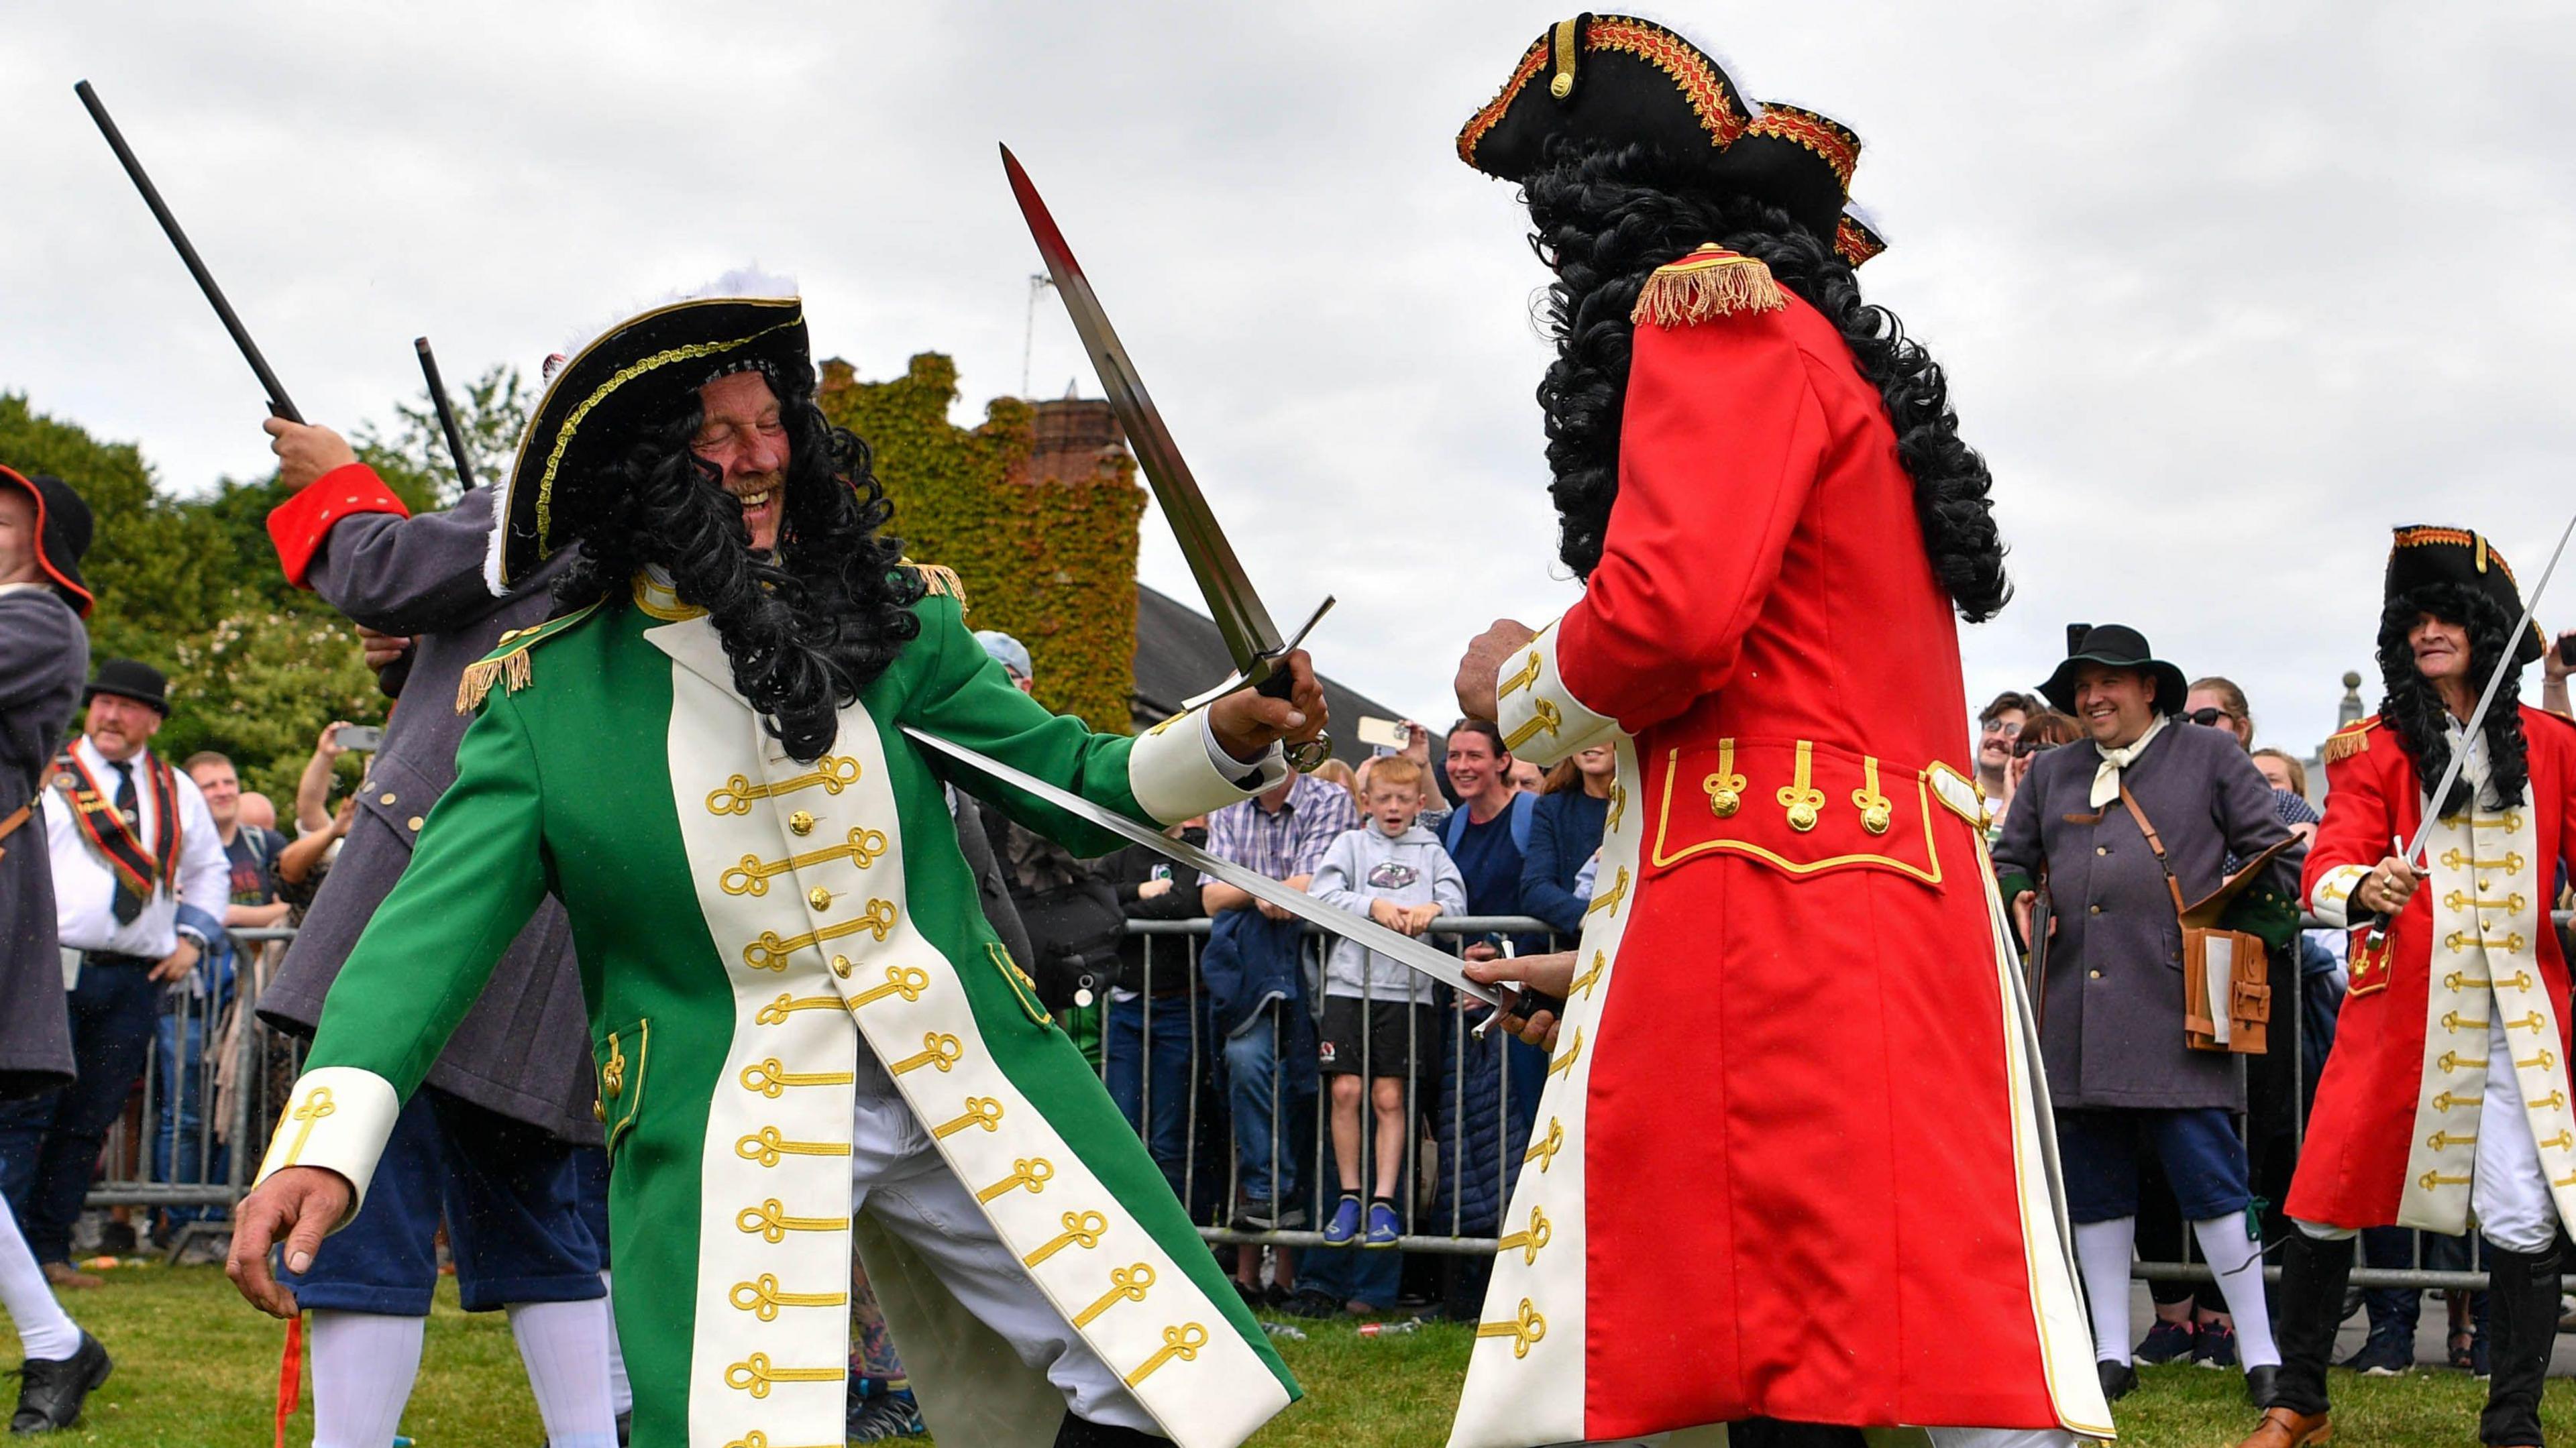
x,y
747,924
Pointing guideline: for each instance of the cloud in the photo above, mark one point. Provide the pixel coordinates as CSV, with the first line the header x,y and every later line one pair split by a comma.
x,y
2225,293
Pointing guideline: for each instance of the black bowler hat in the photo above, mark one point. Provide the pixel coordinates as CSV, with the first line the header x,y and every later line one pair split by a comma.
x,y
2118,646
127,679
2423,555
1617,80
62,534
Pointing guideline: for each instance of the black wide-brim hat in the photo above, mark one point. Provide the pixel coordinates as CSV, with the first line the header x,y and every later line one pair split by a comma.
x,y
2118,646
1612,80
2424,553
63,527
127,679
600,402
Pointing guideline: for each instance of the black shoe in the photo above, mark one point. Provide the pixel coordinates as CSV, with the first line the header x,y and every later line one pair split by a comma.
x,y
2166,1342
2261,1385
1312,1305
117,1238
1267,1215
2387,1353
50,1394
2118,1379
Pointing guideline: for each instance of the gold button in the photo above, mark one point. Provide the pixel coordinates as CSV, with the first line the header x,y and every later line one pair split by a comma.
x,y
841,966
2097,975
801,822
416,823
819,898
2101,849
385,798
2093,909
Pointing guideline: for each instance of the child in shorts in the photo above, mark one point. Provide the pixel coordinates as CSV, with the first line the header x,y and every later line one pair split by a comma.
x,y
1376,1010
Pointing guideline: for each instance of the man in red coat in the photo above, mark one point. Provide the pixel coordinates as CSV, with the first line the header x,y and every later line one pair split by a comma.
x,y
2447,1094
1791,1160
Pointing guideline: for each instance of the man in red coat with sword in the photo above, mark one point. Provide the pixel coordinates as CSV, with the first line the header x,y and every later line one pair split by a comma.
x,y
2447,1096
1792,1158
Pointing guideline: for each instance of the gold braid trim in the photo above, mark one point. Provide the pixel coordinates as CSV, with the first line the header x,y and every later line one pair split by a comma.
x,y
938,581
477,680
2344,744
1709,283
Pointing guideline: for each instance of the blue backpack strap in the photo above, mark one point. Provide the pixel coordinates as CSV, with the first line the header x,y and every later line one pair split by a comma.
x,y
1457,828
1524,809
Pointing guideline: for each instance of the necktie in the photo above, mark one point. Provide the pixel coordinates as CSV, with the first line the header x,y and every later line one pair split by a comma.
x,y
127,904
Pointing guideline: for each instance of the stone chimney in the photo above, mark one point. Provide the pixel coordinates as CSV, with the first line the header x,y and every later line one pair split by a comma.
x,y
1075,439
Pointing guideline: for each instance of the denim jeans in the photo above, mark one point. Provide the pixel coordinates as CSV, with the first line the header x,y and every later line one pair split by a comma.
x,y
49,1144
1277,1048
1152,1072
181,1151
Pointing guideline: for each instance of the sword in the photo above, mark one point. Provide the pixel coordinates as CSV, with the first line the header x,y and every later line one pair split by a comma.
x,y
278,402
1403,949
1254,641
2505,668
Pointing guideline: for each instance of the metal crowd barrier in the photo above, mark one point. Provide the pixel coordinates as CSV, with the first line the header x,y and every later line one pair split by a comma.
x,y
216,1079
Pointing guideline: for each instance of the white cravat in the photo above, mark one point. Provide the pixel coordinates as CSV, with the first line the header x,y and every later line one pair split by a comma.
x,y
2106,779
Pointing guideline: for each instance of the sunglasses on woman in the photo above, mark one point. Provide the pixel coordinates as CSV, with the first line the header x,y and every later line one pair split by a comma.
x,y
2207,718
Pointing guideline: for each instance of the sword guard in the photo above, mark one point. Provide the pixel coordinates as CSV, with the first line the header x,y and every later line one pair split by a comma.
x,y
1530,1002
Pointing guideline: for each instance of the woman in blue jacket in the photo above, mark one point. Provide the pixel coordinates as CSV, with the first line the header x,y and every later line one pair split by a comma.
x,y
1564,832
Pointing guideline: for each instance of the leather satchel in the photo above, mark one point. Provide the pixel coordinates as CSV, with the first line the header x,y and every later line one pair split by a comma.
x,y
2226,974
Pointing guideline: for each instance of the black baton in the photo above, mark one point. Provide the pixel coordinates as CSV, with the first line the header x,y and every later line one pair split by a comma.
x,y
446,414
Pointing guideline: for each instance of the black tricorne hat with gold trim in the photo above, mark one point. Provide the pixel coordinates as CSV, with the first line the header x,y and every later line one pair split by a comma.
x,y
1617,80
2424,554
628,378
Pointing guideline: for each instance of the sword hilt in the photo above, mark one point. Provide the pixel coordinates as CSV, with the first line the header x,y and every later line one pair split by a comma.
x,y
1306,754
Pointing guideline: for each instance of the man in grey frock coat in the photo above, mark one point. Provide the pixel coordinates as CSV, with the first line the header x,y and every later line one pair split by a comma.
x,y
44,660
2111,1008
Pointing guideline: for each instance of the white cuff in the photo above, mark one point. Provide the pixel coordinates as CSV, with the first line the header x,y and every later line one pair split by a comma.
x,y
1542,721
1177,770
2332,899
340,1121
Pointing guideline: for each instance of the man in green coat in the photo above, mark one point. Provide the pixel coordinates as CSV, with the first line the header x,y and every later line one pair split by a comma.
x,y
808,1039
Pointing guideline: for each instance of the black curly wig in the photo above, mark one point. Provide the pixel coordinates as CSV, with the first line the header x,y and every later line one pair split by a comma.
x,y
2412,708
1604,219
806,628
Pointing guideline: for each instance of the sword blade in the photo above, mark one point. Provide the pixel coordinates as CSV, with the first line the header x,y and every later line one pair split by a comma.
x,y
1403,949
1246,625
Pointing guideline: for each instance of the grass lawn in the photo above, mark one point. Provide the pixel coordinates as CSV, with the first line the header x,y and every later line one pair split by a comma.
x,y
194,1366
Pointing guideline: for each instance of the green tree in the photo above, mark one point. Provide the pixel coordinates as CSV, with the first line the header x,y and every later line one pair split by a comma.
x,y
490,416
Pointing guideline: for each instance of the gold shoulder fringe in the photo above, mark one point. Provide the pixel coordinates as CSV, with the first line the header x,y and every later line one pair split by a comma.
x,y
479,677
938,581
2346,743
1710,283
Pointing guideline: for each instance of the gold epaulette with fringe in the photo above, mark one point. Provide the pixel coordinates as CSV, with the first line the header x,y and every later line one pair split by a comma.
x,y
508,664
2344,743
1710,283
938,581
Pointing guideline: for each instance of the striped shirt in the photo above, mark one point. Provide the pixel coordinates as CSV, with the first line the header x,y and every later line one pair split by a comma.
x,y
1290,842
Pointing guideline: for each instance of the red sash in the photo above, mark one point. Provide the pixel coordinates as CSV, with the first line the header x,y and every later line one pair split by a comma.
x,y
139,867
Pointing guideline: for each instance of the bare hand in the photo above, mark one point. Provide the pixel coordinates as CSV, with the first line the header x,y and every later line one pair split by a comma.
x,y
1246,723
1388,914
178,962
382,649
1546,974
1482,668
1419,918
1154,889
305,453
328,746
2554,669
344,817
2023,906
1272,911
2388,886
304,1202
1417,744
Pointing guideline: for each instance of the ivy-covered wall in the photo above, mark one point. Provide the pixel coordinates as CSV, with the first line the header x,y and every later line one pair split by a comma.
x,y
1043,539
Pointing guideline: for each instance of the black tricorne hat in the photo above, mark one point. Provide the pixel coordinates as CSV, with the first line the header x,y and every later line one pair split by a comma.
x,y
620,382
62,534
1616,80
127,679
2424,553
2116,645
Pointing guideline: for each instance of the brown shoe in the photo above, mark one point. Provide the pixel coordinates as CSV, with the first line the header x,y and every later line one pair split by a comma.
x,y
2282,1428
65,1275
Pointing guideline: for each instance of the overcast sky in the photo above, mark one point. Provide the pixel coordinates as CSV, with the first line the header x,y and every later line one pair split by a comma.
x,y
2225,291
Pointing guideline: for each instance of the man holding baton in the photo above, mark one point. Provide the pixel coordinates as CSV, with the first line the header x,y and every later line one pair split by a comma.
x,y
2447,1098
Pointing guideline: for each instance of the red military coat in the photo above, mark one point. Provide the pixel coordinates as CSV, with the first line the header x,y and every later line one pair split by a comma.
x,y
2392,1139
1789,1159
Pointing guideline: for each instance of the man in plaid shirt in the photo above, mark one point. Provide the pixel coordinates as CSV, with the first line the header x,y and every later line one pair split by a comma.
x,y
1282,833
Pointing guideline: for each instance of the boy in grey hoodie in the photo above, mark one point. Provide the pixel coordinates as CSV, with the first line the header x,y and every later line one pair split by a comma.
x,y
1395,872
